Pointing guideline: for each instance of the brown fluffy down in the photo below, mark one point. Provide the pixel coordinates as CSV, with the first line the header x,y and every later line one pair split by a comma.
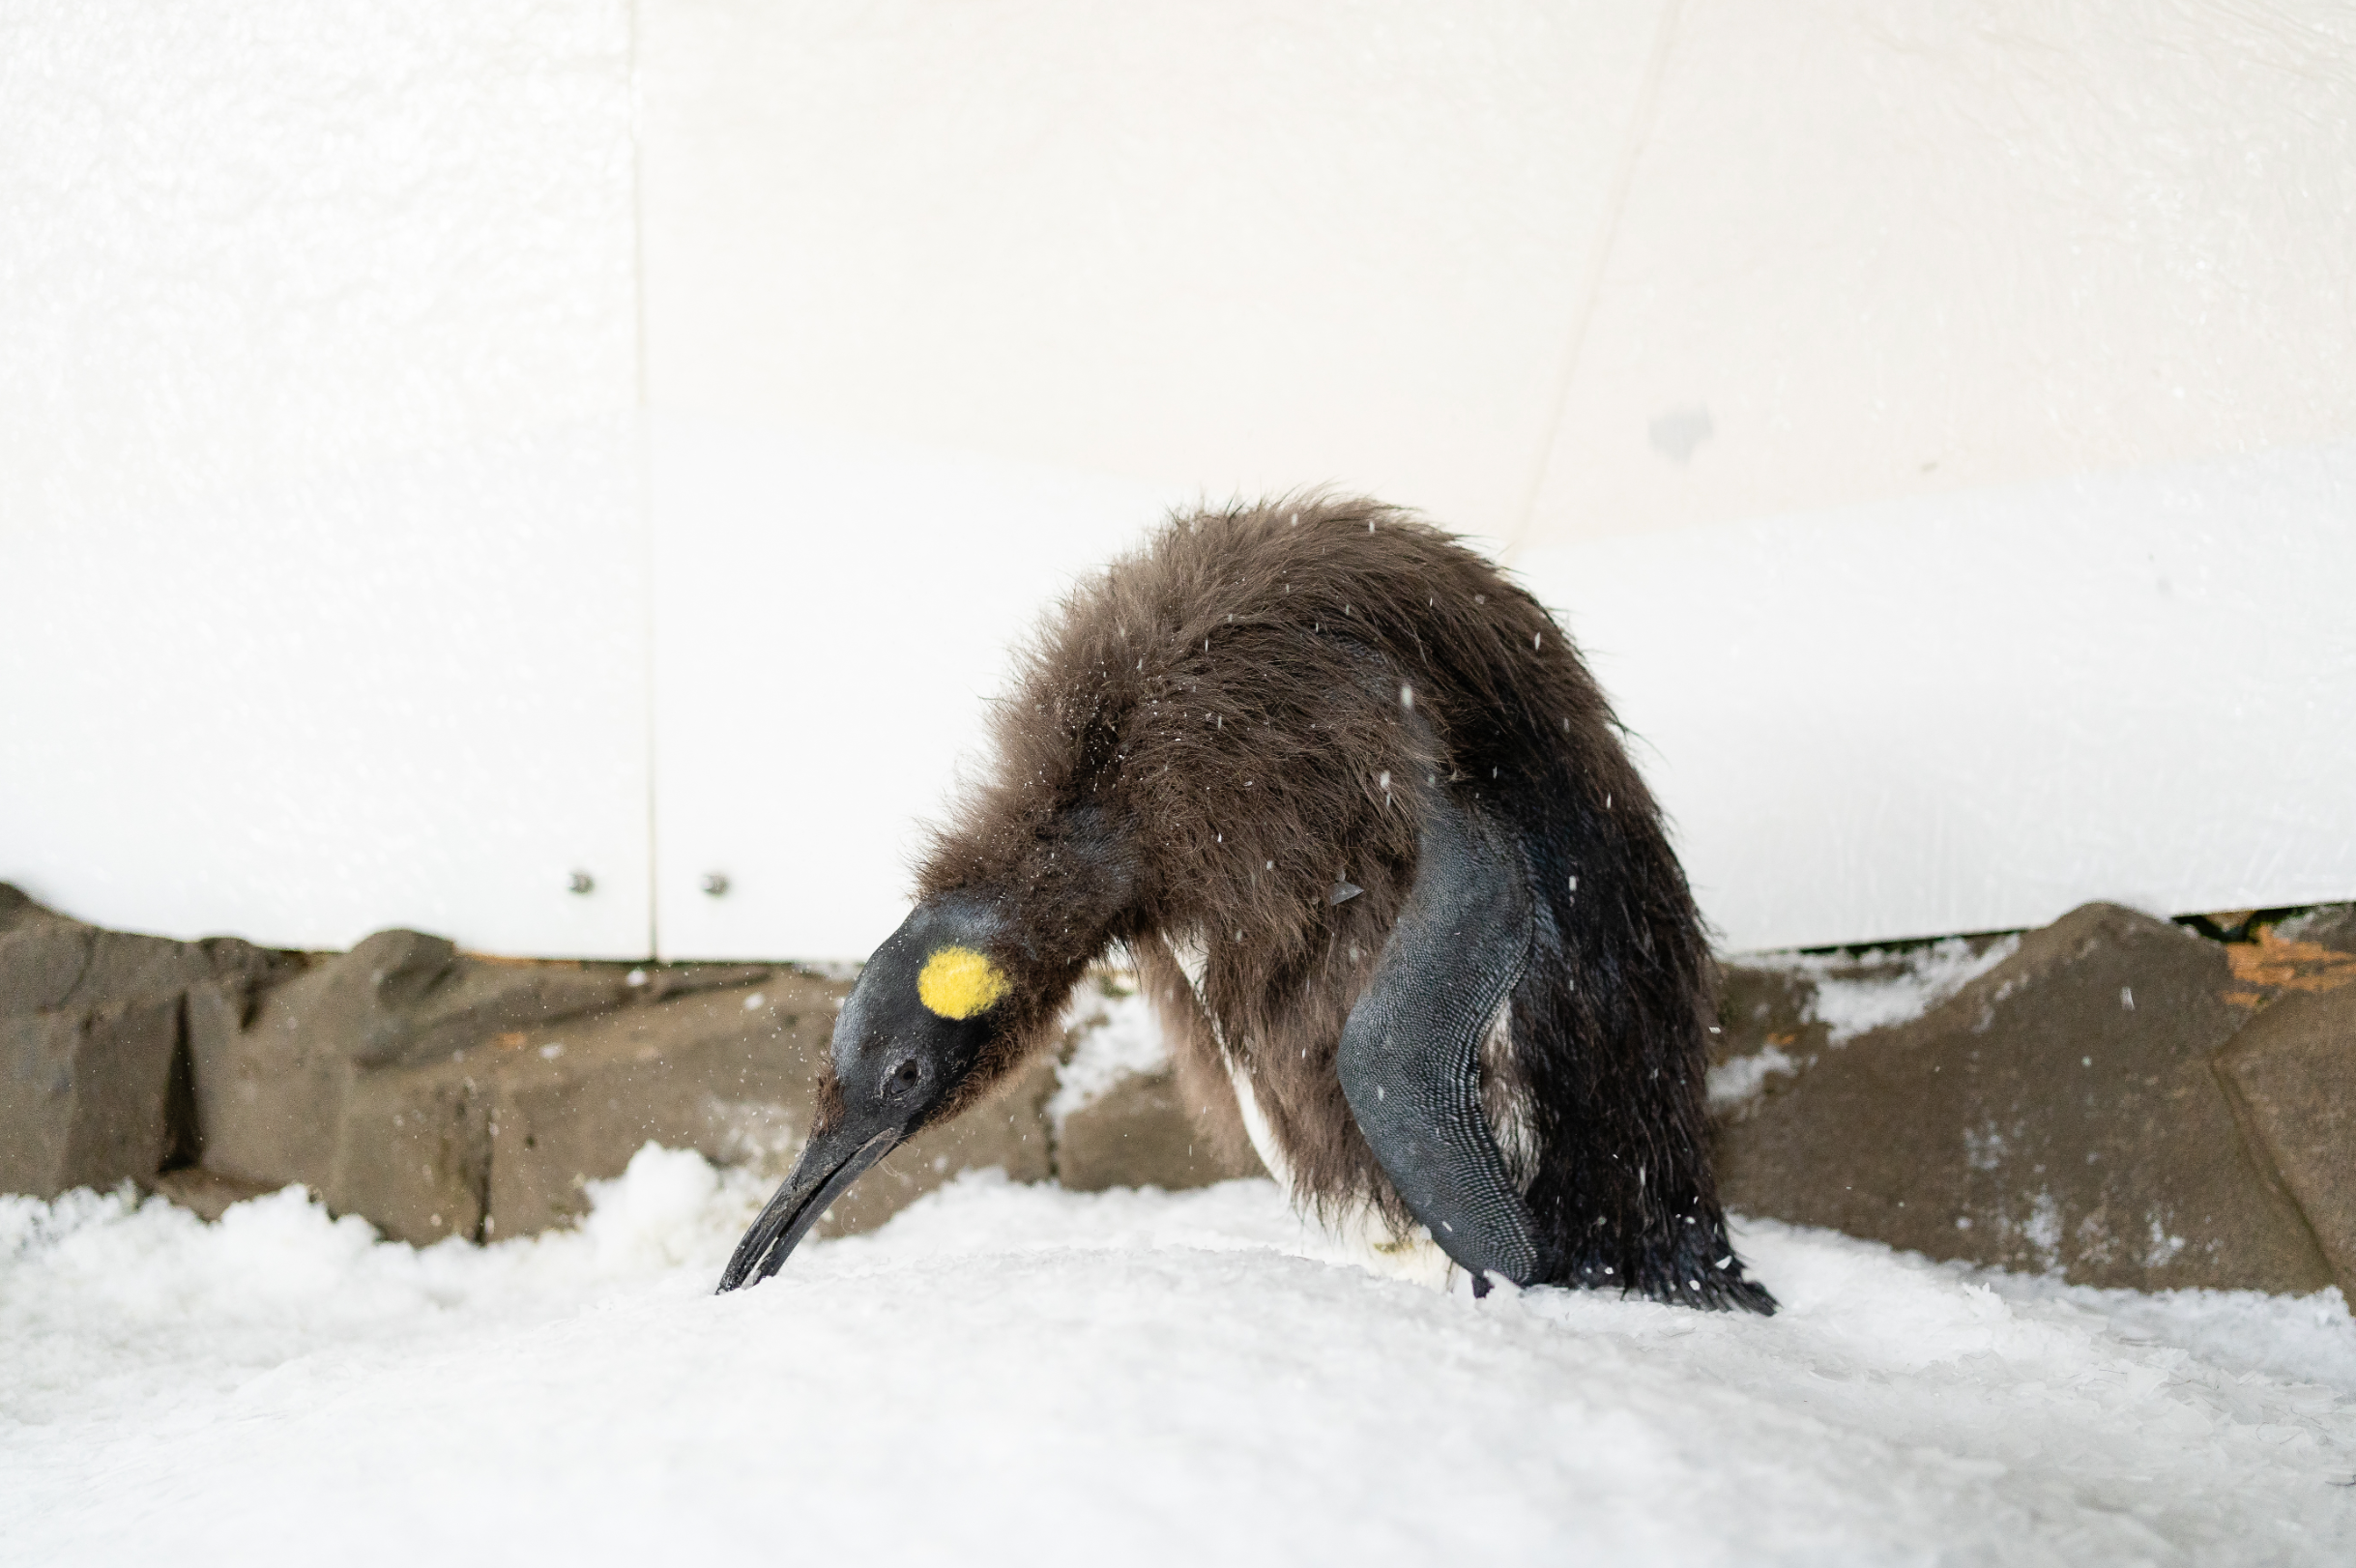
x,y
1208,737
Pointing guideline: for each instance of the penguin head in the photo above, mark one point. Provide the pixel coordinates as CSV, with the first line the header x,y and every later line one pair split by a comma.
x,y
910,1044
927,1006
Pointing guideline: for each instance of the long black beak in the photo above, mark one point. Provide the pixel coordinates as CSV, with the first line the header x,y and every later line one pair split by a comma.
x,y
830,1163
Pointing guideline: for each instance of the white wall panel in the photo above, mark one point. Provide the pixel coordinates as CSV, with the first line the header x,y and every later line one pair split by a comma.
x,y
247,240
834,616
1189,249
408,696
321,562
1975,711
1874,250
1221,245
325,594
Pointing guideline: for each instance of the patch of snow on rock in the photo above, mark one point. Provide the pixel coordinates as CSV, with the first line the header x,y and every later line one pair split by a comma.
x,y
1118,1038
1851,994
1745,1078
1898,988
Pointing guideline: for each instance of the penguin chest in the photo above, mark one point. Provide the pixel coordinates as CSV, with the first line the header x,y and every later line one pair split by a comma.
x,y
1192,955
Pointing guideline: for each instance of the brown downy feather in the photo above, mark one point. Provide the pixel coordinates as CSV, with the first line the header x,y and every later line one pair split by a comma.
x,y
1210,736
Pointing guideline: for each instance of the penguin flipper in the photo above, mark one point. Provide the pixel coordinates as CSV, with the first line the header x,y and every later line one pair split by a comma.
x,y
1409,1055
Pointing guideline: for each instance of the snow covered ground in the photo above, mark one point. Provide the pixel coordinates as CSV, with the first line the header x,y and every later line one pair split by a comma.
x,y
1023,1375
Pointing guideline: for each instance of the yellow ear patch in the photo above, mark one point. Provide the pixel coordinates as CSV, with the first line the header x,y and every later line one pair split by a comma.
x,y
958,982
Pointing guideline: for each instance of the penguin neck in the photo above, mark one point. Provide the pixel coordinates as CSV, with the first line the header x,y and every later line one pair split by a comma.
x,y
1064,883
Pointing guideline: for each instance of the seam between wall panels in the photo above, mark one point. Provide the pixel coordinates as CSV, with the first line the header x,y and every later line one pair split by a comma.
x,y
642,468
1632,149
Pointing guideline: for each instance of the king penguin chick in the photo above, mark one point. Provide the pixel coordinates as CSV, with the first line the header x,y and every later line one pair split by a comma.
x,y
1357,811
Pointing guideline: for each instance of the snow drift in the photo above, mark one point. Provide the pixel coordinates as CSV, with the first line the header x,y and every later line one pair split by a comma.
x,y
1022,1375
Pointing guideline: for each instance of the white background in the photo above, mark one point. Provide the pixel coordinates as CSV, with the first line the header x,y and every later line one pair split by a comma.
x,y
447,449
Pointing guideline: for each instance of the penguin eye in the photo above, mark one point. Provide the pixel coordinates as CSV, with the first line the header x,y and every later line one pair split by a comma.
x,y
904,1077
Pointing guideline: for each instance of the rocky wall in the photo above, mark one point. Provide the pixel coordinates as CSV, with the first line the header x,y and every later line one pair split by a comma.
x,y
2115,1098
2121,1100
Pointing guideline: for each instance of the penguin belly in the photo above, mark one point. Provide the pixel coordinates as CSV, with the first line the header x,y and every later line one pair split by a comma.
x,y
1361,1232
